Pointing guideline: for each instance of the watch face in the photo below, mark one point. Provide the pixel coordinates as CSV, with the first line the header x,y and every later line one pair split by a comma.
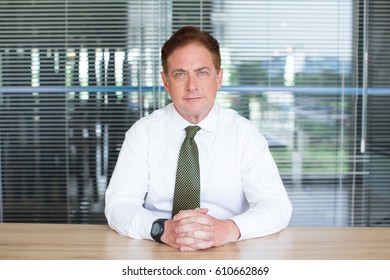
x,y
155,229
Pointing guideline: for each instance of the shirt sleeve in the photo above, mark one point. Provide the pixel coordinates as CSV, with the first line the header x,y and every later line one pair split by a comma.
x,y
128,187
269,206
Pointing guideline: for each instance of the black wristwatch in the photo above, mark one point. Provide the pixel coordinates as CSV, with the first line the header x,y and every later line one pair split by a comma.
x,y
157,229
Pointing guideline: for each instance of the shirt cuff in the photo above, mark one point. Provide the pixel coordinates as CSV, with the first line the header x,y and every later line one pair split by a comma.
x,y
144,224
250,226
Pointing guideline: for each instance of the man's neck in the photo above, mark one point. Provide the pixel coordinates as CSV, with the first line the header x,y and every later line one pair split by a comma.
x,y
194,118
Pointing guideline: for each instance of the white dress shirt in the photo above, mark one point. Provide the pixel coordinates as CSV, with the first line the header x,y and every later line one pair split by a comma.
x,y
238,175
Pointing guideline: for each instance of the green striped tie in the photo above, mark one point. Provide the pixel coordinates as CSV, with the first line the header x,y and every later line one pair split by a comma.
x,y
187,186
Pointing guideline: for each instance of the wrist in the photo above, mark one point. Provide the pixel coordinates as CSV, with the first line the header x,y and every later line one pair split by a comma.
x,y
234,231
157,230
165,237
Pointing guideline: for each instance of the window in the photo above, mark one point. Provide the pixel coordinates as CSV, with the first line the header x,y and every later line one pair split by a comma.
x,y
75,75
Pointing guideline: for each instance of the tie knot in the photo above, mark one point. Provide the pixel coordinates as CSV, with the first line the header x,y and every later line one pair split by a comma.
x,y
191,131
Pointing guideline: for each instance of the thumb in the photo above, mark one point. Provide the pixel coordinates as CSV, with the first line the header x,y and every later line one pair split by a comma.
x,y
201,210
188,213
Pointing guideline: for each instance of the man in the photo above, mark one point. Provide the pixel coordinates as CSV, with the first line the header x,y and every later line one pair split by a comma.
x,y
241,193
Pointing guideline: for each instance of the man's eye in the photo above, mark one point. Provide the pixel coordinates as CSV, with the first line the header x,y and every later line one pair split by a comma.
x,y
203,73
179,75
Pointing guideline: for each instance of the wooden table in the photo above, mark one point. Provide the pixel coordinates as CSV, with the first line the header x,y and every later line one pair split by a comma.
x,y
94,242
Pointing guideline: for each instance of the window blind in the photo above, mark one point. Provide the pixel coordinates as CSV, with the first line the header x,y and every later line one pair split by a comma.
x,y
75,75
289,68
376,189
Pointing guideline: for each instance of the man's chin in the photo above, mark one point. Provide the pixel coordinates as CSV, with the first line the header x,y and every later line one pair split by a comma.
x,y
193,114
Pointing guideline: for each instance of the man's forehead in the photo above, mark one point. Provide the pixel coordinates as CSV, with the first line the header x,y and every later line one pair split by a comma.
x,y
191,51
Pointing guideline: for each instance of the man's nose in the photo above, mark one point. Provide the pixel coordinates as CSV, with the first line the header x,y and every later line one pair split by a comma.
x,y
191,82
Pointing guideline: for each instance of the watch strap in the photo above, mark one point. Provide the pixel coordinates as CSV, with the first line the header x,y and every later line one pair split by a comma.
x,y
157,236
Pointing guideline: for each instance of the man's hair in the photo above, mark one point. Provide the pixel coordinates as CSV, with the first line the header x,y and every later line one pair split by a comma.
x,y
188,35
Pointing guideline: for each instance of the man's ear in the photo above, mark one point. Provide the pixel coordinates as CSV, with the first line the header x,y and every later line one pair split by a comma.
x,y
165,81
219,78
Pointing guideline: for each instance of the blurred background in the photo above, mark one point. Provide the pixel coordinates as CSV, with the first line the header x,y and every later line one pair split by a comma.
x,y
313,75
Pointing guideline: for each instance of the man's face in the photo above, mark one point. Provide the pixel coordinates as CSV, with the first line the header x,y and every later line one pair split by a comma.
x,y
192,81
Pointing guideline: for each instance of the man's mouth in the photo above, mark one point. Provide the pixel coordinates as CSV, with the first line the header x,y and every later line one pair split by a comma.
x,y
195,98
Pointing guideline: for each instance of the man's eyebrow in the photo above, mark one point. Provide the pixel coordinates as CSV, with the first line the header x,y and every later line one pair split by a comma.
x,y
202,68
195,70
178,70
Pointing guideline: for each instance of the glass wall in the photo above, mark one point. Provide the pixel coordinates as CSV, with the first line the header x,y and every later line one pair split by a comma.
x,y
75,75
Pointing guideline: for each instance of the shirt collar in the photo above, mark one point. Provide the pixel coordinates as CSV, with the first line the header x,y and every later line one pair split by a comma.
x,y
178,123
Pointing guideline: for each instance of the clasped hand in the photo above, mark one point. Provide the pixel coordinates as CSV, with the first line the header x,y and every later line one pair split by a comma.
x,y
191,230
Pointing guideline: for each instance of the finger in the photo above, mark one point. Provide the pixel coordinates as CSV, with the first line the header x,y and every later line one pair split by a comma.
x,y
202,219
186,241
188,213
201,210
197,246
186,249
186,226
189,237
